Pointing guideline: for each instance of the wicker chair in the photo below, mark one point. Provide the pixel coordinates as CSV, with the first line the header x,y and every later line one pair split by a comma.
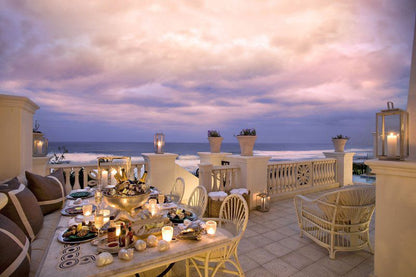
x,y
233,217
177,191
338,220
198,201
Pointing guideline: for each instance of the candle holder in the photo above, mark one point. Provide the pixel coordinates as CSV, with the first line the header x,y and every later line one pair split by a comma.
x,y
159,143
392,133
263,202
167,233
211,227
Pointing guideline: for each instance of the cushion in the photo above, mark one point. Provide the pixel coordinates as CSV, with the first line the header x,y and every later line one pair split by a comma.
x,y
49,191
22,208
14,249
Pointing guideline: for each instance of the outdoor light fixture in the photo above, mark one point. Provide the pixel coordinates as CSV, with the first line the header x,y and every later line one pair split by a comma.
x,y
40,145
392,133
159,143
263,202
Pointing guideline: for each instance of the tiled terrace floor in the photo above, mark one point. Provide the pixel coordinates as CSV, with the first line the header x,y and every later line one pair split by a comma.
x,y
272,247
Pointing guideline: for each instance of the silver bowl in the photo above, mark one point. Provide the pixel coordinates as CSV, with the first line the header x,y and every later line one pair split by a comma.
x,y
126,204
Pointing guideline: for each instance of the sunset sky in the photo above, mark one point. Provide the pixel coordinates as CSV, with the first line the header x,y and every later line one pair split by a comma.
x,y
295,70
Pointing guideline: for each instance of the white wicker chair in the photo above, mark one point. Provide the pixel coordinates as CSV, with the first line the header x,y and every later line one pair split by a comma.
x,y
233,217
198,201
338,220
177,191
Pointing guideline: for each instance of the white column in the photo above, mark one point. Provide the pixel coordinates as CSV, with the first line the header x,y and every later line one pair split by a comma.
x,y
16,123
39,165
161,170
411,103
212,158
205,178
395,244
253,174
344,166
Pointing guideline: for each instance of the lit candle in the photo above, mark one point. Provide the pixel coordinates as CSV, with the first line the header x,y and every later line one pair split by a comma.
x,y
39,145
167,233
106,214
211,227
104,178
118,229
391,144
159,146
113,180
87,210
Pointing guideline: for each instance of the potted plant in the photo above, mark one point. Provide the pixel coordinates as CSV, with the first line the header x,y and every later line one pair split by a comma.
x,y
339,142
247,138
215,140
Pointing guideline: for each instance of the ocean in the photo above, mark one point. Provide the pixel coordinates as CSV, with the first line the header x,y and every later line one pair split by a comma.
x,y
87,152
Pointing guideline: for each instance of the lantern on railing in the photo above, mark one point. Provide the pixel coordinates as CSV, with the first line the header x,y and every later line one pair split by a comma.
x,y
40,145
263,202
159,143
392,133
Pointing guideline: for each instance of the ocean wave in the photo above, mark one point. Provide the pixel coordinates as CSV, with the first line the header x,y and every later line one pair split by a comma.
x,y
91,158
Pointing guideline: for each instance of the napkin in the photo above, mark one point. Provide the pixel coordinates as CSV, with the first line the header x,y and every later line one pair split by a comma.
x,y
217,195
239,191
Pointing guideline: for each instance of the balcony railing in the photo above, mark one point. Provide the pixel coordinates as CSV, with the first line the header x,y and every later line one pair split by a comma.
x,y
225,178
81,175
285,177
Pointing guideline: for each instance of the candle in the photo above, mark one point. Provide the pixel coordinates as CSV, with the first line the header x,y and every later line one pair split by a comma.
x,y
211,227
39,145
159,146
87,210
104,178
106,215
113,180
167,233
391,145
118,229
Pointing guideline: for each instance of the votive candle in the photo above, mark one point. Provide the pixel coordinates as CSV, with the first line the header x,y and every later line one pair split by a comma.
x,y
167,233
118,229
106,215
87,210
211,227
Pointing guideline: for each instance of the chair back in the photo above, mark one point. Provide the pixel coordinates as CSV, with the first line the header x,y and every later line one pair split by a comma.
x,y
177,190
234,214
198,201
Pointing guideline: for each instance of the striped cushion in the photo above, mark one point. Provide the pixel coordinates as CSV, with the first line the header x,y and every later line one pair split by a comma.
x,y
22,208
14,249
49,191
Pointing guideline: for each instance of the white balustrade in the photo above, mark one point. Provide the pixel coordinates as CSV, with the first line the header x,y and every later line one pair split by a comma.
x,y
293,176
224,178
89,173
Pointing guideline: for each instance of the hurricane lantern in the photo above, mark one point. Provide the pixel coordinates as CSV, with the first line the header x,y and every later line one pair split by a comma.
x,y
392,133
159,143
263,202
40,145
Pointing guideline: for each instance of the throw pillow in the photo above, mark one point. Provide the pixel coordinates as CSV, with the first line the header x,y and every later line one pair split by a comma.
x,y
22,208
14,249
49,191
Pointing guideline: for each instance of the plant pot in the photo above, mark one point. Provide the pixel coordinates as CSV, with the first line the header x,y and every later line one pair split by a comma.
x,y
246,144
215,144
339,144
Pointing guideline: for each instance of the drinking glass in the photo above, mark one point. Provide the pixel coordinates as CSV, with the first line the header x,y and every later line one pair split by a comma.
x,y
99,221
98,197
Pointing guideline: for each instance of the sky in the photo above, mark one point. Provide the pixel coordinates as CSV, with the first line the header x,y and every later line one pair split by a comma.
x,y
295,70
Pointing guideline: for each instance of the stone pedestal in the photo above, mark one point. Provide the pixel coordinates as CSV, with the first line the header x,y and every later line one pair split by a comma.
x,y
253,174
344,166
205,177
16,123
161,170
395,241
212,158
39,165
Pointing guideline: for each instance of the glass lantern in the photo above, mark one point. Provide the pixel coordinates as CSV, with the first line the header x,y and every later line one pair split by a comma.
x,y
263,202
40,145
113,170
159,143
392,135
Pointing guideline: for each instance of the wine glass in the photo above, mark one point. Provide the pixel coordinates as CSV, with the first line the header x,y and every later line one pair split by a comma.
x,y
98,197
99,221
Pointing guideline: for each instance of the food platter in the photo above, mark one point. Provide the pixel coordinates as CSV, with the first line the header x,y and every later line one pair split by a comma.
x,y
75,238
80,194
75,210
179,215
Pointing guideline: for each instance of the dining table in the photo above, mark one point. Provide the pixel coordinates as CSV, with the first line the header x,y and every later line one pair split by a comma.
x,y
79,259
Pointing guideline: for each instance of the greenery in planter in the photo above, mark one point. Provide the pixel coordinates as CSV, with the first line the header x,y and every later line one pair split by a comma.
x,y
60,157
340,136
213,134
36,127
247,132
